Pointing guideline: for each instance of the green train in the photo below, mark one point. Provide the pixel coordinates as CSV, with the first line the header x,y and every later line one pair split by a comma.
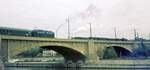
x,y
42,33
25,32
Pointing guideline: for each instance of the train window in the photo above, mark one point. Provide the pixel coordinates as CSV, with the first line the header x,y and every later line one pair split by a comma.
x,y
40,32
5,31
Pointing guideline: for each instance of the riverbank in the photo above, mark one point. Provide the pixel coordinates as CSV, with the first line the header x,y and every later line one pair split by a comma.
x,y
120,64
117,66
33,64
109,64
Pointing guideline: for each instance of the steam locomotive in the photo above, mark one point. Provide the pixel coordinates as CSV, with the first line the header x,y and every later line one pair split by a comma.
x,y
24,32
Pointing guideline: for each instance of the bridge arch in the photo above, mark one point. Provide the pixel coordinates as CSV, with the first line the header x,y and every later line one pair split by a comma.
x,y
66,52
112,52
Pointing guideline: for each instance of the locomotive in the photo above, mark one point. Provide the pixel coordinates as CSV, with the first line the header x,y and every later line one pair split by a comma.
x,y
25,32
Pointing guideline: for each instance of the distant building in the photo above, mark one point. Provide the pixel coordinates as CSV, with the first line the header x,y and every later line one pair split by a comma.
x,y
49,53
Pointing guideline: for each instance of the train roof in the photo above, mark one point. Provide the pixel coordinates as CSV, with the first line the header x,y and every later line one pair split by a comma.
x,y
8,28
19,29
42,30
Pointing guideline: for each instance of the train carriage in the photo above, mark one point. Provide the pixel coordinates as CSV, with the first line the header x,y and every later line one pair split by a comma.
x,y
25,32
14,31
42,33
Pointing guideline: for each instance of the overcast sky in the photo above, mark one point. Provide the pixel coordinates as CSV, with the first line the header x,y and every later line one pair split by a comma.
x,y
105,15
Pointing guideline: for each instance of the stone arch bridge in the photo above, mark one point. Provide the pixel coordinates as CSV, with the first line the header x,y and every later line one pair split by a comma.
x,y
89,51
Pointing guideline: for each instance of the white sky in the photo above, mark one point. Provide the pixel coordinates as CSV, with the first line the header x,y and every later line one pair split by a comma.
x,y
104,15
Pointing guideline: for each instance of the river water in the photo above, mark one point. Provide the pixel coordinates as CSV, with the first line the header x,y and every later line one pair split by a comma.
x,y
27,68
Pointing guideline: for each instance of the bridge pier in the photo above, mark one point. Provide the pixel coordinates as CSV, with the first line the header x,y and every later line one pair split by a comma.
x,y
1,62
92,58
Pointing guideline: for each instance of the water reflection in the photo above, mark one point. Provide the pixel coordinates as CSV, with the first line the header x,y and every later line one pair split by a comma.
x,y
26,68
